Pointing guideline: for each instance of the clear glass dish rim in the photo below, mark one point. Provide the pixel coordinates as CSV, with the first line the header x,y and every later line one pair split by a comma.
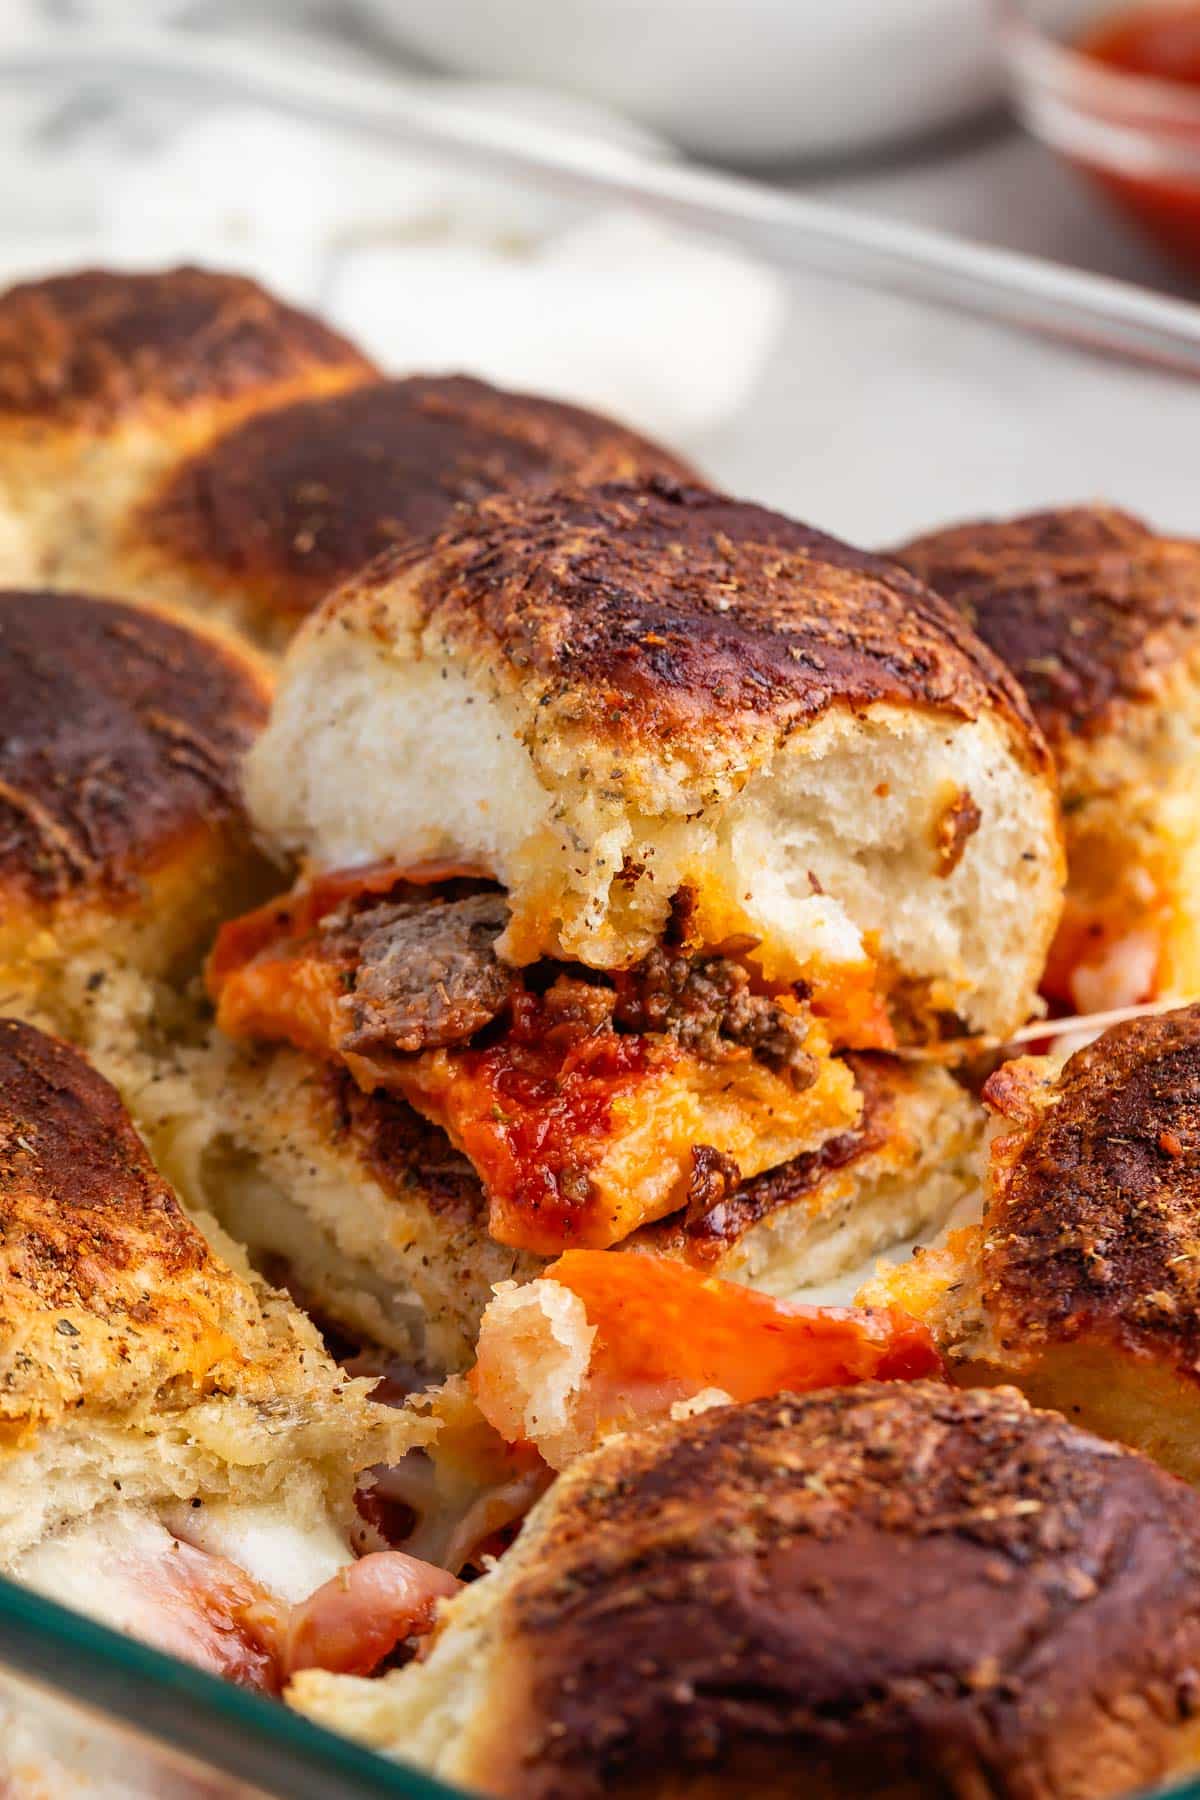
x,y
790,230
116,1679
76,1659
183,1710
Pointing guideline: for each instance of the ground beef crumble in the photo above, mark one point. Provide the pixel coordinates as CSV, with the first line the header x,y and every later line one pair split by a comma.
x,y
423,974
428,974
709,1005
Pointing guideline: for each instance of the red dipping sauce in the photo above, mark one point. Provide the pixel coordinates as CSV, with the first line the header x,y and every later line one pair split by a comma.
x,y
1159,43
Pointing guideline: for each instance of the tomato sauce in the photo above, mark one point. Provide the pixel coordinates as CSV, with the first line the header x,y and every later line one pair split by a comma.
x,y
1158,42
534,1113
1161,41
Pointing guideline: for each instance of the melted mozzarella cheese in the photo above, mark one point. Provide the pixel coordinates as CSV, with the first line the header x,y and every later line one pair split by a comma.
x,y
261,1597
287,1558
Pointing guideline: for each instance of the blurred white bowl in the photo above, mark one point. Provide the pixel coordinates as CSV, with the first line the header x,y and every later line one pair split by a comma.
x,y
739,80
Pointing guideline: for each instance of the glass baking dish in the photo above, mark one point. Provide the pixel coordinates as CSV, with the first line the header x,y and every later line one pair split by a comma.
x,y
910,380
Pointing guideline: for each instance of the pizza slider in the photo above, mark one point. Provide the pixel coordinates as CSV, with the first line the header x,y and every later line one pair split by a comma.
x,y
178,1453
123,838
1081,1283
659,803
108,378
257,527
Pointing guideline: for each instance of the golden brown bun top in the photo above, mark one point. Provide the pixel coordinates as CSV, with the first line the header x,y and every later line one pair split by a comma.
x,y
1087,606
86,349
120,740
290,503
897,1589
662,614
1095,1214
109,1297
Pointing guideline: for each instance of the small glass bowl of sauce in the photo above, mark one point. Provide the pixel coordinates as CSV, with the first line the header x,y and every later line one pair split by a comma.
x,y
1115,89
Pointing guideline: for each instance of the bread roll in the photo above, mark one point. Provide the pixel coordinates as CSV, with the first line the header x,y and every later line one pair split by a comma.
x,y
604,699
256,528
107,378
885,1590
1082,1284
137,1358
123,839
623,812
1098,617
178,1452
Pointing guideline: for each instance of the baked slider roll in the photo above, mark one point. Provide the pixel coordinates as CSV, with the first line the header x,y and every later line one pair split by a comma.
x,y
887,1590
1082,1284
380,1226
623,811
1099,619
107,378
259,526
177,1450
123,839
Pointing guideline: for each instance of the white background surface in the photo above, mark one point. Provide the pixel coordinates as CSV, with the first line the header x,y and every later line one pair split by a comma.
x,y
863,413
914,417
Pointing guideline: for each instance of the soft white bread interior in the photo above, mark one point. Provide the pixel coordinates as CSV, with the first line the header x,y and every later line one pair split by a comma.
x,y
1098,617
605,698
365,1210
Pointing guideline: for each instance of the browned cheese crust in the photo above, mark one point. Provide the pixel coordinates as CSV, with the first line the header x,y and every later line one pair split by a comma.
x,y
408,1156
120,742
670,614
1087,606
109,1297
289,504
893,1590
86,350
721,1212
1094,1223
